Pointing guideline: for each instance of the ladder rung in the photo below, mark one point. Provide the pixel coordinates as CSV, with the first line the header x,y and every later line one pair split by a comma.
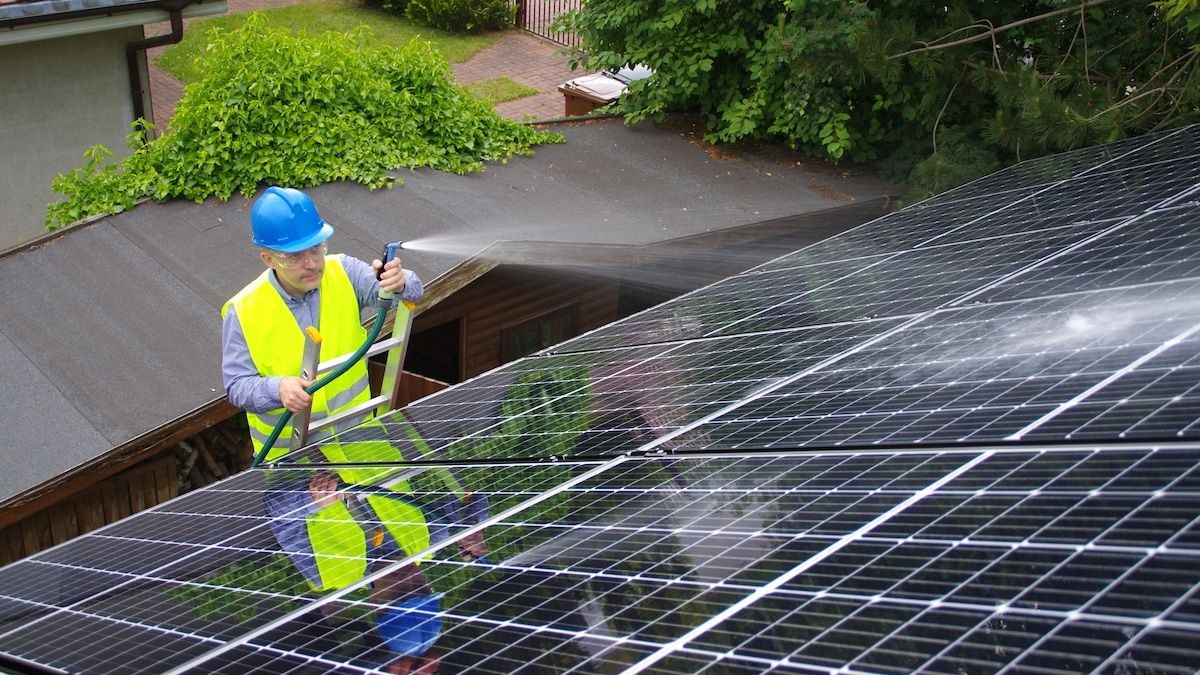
x,y
381,346
345,414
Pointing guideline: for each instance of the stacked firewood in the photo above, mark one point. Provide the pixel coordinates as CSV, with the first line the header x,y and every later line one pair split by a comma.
x,y
215,453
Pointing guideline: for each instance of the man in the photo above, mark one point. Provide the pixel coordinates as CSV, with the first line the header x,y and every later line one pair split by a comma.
x,y
262,335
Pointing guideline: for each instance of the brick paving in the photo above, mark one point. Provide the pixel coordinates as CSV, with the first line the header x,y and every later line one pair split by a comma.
x,y
518,55
525,59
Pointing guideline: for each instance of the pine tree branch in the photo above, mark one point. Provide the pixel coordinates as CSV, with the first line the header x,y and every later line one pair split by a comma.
x,y
1071,46
1159,91
1083,26
996,31
949,96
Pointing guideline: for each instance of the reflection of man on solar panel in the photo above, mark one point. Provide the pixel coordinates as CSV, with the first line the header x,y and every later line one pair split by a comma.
x,y
337,526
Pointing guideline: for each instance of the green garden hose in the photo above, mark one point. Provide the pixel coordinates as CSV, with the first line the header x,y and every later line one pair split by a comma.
x,y
312,388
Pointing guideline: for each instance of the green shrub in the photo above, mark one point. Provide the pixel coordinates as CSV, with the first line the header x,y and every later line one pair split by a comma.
x,y
462,16
938,92
296,110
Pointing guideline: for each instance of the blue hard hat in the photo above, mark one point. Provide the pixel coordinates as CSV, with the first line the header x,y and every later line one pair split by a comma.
x,y
285,219
411,627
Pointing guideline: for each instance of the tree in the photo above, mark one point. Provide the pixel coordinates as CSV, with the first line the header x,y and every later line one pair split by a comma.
x,y
938,93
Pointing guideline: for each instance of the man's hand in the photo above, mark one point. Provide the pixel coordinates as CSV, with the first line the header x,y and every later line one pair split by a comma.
x,y
323,488
472,547
392,278
292,394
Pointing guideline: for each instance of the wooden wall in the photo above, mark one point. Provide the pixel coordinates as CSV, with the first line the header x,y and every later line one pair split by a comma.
x,y
414,387
510,295
212,454
144,486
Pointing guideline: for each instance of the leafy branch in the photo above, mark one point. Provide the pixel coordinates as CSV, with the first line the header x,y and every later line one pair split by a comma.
x,y
991,32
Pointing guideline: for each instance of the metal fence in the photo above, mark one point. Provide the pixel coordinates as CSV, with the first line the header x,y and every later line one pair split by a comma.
x,y
535,16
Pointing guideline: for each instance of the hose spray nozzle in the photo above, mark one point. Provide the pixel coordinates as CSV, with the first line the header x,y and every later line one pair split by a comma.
x,y
389,254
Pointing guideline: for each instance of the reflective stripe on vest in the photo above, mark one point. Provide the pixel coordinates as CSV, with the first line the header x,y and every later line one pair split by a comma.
x,y
276,344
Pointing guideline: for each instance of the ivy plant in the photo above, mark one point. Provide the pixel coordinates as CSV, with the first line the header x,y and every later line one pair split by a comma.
x,y
292,109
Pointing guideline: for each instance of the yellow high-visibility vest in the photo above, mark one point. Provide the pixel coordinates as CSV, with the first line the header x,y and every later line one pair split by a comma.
x,y
340,544
276,344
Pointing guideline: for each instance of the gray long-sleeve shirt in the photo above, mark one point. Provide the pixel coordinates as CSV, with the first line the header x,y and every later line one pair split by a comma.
x,y
249,390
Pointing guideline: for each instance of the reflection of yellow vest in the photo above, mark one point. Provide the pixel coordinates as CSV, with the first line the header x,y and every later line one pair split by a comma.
x,y
340,543
276,344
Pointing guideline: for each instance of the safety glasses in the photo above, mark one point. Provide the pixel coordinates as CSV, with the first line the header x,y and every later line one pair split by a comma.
x,y
298,258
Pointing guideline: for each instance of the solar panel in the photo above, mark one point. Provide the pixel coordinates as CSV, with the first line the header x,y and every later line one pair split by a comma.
x,y
960,438
200,571
984,372
608,402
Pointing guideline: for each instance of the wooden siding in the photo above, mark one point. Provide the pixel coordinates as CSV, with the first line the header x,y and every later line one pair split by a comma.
x,y
414,387
507,296
202,459
139,488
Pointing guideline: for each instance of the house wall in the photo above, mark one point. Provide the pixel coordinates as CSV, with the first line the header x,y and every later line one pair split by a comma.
x,y
508,296
58,97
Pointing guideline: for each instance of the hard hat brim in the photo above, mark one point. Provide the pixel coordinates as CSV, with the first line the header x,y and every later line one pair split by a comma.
x,y
310,241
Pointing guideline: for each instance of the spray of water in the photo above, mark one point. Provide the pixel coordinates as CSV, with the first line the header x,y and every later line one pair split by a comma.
x,y
678,264
459,245
1085,326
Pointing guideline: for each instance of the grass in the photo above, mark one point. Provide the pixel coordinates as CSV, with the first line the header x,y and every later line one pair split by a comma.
x,y
318,17
500,89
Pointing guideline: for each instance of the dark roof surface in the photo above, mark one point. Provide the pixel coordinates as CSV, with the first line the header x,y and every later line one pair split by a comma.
x,y
22,9
112,330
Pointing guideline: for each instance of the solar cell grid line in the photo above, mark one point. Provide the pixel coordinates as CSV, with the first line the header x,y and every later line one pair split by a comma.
x,y
606,410
1039,227
158,593
1168,144
1174,647
808,563
1157,400
647,544
1161,245
108,641
1033,653
1036,650
1116,194
898,231
809,290
1131,187
930,278
524,385
1002,587
981,372
697,313
1082,396
700,425
399,564
1171,145
960,211
534,388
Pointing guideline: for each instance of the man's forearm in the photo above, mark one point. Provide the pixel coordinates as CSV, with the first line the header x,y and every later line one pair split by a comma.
x,y
255,394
